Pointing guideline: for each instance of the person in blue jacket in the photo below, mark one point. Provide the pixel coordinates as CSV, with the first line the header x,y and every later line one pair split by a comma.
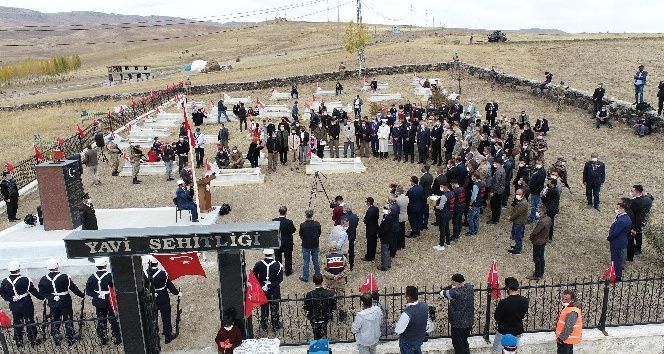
x,y
185,201
618,234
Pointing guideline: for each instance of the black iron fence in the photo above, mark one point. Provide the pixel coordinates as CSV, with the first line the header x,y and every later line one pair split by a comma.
x,y
38,338
24,170
638,299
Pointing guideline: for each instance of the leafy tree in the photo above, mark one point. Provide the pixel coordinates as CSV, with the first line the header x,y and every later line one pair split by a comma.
x,y
355,39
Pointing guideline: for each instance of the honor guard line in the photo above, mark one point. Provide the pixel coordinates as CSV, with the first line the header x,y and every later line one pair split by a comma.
x,y
124,247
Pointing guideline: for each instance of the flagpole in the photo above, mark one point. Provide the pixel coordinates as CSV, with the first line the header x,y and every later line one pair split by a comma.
x,y
191,164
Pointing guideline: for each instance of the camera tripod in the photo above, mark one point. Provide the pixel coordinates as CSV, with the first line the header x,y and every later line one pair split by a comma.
x,y
317,186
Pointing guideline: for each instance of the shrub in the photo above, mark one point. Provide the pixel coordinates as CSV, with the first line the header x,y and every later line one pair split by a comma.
x,y
654,233
32,68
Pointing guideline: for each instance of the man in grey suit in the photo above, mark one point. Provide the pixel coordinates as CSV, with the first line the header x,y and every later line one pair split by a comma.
x,y
426,181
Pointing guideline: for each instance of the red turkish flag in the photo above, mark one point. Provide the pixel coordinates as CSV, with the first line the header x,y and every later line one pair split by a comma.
x,y
259,104
38,154
208,167
370,285
5,320
492,279
610,273
9,166
60,141
187,126
179,265
254,295
80,131
112,299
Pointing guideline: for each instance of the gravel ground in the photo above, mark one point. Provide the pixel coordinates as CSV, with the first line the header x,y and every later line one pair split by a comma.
x,y
579,249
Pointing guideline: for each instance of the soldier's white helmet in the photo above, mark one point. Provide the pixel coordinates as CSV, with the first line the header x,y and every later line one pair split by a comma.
x,y
268,252
101,262
52,263
13,266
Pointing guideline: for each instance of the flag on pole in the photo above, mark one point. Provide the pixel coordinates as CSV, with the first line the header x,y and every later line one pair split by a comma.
x,y
610,273
370,285
187,127
112,299
5,320
254,295
179,265
259,103
492,279
80,131
9,166
60,141
38,154
208,167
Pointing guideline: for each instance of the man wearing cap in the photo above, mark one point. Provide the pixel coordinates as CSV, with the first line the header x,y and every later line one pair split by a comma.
x,y
509,314
162,285
91,161
87,213
97,287
185,201
269,273
509,344
16,290
114,154
55,287
135,158
461,311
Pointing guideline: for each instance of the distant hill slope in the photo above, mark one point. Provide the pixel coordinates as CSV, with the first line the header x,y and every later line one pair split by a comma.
x,y
16,17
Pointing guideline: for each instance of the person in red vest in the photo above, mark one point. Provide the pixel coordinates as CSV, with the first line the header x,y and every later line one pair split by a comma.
x,y
569,325
229,337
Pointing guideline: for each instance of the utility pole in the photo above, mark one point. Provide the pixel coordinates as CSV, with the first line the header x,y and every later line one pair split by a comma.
x,y
360,54
338,18
327,3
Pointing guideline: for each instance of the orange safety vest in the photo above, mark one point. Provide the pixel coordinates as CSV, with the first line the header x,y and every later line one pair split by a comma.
x,y
575,336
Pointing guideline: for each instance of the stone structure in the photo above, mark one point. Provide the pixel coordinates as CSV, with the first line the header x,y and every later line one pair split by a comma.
x,y
128,73
335,165
61,193
237,177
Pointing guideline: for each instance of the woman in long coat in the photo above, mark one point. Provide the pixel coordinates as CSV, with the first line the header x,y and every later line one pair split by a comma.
x,y
383,139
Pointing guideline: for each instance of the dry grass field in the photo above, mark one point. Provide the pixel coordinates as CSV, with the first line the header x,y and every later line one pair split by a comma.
x,y
582,60
579,242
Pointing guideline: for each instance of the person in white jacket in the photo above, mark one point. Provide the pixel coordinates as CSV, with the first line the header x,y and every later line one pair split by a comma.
x,y
366,325
383,139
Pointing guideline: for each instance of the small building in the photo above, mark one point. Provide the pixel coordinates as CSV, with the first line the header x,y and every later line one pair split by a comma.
x,y
128,73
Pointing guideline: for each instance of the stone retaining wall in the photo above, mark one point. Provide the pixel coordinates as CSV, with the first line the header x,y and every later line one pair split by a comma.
x,y
619,110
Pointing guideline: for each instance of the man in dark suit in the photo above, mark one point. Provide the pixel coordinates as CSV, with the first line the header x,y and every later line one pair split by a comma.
x,y
371,223
426,180
353,221
409,132
491,110
87,212
598,96
423,136
594,175
449,143
436,139
618,235
286,229
638,209
416,204
184,200
438,181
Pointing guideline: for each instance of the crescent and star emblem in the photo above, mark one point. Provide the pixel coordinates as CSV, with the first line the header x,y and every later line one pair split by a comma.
x,y
183,259
69,172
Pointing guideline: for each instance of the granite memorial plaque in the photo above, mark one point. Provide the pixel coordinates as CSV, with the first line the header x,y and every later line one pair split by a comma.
x,y
60,192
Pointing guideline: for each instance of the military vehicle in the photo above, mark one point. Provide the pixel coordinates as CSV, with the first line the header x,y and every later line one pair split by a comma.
x,y
497,36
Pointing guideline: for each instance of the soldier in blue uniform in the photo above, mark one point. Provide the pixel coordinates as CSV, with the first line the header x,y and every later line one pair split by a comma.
x,y
269,273
16,290
55,287
97,288
162,286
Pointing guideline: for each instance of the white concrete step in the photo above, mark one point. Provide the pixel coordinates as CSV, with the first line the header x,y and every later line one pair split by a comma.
x,y
335,165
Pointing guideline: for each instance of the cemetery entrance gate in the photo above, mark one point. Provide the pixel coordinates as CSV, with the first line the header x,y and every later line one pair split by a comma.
x,y
125,246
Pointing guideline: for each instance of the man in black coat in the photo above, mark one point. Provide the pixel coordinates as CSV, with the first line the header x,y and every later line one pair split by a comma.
x,y
438,181
449,143
423,136
551,202
242,116
9,191
318,307
598,97
638,212
310,231
436,139
594,175
87,212
491,110
371,224
353,221
284,254
660,97
409,133
535,186
426,180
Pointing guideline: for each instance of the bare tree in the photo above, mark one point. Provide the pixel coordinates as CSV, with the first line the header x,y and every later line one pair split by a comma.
x,y
458,71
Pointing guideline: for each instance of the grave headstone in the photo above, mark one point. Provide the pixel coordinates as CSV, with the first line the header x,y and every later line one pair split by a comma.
x,y
60,192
